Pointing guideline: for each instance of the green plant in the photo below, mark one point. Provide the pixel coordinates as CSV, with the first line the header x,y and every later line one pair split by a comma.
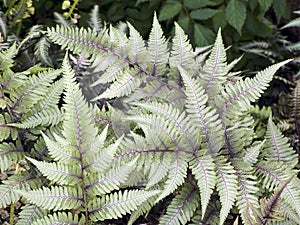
x,y
179,123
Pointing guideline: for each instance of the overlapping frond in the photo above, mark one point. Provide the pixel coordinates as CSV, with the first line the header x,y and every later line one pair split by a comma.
x,y
30,213
277,147
62,174
181,53
61,218
33,90
204,118
215,69
182,207
9,187
176,176
54,198
236,98
227,186
157,49
115,205
9,154
203,168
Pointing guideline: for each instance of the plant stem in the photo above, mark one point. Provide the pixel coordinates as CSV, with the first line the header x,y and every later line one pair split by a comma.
x,y
72,8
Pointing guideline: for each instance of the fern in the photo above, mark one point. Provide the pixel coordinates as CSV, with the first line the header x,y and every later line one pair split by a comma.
x,y
85,185
177,131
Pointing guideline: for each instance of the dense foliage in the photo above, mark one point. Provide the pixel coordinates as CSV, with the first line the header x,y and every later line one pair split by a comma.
x,y
127,127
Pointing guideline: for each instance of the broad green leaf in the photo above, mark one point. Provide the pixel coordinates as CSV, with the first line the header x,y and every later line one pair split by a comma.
x,y
202,35
193,4
203,14
169,11
236,14
281,9
265,4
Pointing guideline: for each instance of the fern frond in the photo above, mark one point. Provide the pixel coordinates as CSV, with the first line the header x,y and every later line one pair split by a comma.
x,y
136,45
181,53
182,207
9,154
202,117
44,118
123,86
33,90
30,213
158,170
237,97
275,174
108,181
62,174
227,186
3,27
157,49
270,207
78,126
60,218
6,57
252,153
54,198
277,147
176,176
247,188
143,209
215,68
95,21
115,205
8,188
176,121
203,168
41,50
295,101
59,150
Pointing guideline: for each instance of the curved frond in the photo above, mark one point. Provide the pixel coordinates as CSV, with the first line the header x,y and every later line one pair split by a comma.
x,y
204,118
54,198
176,176
9,187
157,49
124,85
203,168
227,187
41,50
277,147
60,173
175,120
9,154
237,97
108,181
78,127
182,207
181,53
29,214
60,218
95,21
46,117
115,205
215,68
136,46
33,90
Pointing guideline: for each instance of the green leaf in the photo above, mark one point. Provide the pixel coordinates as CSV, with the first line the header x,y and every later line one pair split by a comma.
x,y
236,14
192,4
169,11
265,4
281,9
202,35
203,14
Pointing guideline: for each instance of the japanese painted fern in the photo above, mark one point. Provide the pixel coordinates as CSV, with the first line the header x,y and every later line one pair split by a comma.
x,y
188,137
